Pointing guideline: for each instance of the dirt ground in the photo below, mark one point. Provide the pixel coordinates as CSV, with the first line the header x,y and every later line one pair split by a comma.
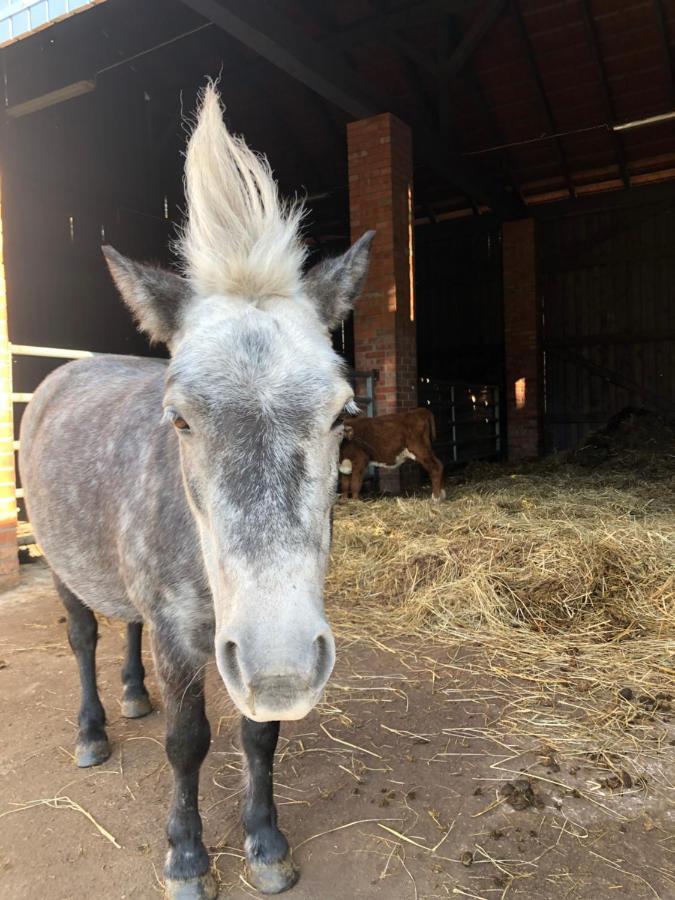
x,y
388,790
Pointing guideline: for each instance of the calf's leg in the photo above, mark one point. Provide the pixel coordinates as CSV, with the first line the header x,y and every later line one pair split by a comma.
x,y
92,746
188,736
359,466
435,469
432,465
270,866
357,484
135,699
345,483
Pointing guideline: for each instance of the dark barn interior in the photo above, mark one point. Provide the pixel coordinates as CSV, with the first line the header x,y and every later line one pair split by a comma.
x,y
519,111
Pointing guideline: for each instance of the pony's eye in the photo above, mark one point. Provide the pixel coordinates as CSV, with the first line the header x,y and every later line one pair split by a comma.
x,y
176,420
349,410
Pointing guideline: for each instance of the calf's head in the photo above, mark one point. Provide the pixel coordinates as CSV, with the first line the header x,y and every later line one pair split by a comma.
x,y
255,395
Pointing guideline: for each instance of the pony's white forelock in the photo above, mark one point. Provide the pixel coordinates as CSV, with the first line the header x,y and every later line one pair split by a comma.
x,y
240,238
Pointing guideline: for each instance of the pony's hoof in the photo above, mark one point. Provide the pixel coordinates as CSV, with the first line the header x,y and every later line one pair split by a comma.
x,y
93,753
205,887
273,878
136,707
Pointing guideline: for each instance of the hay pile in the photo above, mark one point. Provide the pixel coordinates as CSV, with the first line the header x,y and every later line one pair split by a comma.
x,y
559,584
633,438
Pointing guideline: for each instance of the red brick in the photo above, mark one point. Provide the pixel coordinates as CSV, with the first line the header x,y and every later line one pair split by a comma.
x,y
522,327
380,171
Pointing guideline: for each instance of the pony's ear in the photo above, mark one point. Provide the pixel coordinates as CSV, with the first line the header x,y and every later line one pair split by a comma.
x,y
156,297
335,284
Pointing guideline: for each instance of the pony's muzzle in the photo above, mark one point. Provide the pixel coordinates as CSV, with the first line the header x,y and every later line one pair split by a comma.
x,y
267,688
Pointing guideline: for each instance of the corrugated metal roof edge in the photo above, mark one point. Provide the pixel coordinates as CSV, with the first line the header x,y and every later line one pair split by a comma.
x,y
29,34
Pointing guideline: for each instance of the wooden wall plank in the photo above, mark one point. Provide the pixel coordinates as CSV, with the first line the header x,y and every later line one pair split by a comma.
x,y
609,299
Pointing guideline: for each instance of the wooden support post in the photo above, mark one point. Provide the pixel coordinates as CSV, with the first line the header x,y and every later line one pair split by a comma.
x,y
522,337
9,559
380,197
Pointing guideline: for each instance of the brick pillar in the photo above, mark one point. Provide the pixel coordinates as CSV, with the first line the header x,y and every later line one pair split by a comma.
x,y
522,337
380,197
9,559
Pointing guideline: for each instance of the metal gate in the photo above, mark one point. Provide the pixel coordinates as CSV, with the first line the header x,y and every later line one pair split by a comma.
x,y
467,419
363,384
21,398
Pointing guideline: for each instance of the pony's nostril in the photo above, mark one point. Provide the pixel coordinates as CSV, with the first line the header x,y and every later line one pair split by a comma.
x,y
231,667
324,659
321,651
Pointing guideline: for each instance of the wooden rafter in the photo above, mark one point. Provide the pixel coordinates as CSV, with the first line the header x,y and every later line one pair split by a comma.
x,y
445,45
453,57
450,67
424,109
447,127
543,96
408,58
473,37
425,12
266,31
470,82
385,26
664,37
261,28
608,103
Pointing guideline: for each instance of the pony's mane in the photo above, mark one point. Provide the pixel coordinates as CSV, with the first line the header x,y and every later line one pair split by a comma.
x,y
240,238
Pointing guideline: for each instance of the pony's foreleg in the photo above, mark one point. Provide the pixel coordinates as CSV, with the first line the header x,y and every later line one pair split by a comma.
x,y
270,866
188,736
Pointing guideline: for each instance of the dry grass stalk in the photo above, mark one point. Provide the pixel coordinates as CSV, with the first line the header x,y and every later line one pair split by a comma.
x,y
64,803
313,837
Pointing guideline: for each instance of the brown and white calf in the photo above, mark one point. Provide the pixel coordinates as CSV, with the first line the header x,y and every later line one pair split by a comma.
x,y
387,441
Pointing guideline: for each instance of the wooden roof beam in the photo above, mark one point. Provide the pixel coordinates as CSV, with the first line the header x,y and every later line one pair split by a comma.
x,y
446,39
386,26
270,34
592,32
543,97
448,68
473,37
454,55
471,82
424,12
278,40
662,25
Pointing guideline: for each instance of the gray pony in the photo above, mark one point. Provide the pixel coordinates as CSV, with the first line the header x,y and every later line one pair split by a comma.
x,y
195,498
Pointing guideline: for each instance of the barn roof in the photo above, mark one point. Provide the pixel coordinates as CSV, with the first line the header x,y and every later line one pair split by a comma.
x,y
512,102
21,18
